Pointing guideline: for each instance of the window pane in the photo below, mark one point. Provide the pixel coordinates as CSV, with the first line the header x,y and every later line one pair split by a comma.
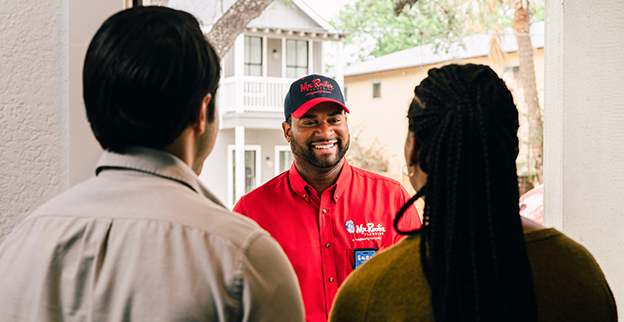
x,y
250,170
253,70
302,53
256,50
253,56
376,90
285,160
291,72
302,71
291,52
247,49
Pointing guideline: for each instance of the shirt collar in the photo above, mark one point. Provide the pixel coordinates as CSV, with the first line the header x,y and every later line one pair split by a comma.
x,y
155,162
298,184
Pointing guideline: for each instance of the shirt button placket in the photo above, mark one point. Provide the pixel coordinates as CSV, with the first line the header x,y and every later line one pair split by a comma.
x,y
329,261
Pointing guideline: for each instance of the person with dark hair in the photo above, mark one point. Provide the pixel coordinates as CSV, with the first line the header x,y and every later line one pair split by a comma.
x,y
327,215
145,240
475,258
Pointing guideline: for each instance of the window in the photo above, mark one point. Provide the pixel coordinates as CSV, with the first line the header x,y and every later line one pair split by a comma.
x,y
283,157
253,56
376,90
296,58
345,94
252,170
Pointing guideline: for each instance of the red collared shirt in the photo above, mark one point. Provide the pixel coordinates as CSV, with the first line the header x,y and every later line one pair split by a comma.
x,y
319,235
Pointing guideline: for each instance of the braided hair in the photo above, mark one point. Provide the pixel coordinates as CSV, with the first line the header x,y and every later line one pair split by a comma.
x,y
472,246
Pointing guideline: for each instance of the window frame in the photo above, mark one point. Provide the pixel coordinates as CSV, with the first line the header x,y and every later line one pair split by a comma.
x,y
276,164
246,63
230,170
373,83
297,66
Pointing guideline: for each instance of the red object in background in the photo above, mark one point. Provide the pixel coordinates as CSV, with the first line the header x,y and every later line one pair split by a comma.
x,y
532,205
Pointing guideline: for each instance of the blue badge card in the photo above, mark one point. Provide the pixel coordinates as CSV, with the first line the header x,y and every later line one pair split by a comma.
x,y
361,255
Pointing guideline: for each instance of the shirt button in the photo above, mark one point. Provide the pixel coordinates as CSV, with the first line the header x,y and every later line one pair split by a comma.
x,y
324,211
331,279
305,196
327,245
336,196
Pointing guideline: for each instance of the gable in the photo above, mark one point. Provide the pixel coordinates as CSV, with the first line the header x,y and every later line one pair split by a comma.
x,y
287,17
276,16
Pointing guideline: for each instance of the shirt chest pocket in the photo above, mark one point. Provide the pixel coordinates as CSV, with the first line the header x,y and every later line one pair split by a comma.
x,y
344,263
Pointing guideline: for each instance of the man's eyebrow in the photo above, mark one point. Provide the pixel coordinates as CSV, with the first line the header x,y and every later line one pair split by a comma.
x,y
308,116
336,113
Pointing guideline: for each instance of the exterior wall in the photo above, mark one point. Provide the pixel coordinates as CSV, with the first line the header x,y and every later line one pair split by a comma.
x,y
583,136
46,143
85,17
214,173
385,118
274,57
33,107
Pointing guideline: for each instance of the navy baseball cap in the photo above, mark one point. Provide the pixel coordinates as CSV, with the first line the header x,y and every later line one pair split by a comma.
x,y
309,91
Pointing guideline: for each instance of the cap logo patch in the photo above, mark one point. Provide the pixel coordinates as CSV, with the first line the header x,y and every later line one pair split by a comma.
x,y
317,87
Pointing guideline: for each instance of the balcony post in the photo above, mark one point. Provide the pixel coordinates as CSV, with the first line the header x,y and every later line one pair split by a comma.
x,y
239,73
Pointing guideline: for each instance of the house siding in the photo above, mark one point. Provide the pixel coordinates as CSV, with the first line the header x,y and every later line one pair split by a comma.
x,y
274,61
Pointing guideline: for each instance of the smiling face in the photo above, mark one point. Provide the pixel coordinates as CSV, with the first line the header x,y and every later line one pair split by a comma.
x,y
320,138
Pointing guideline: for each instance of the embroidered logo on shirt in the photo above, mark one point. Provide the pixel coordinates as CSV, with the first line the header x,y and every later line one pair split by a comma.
x,y
350,226
368,231
370,228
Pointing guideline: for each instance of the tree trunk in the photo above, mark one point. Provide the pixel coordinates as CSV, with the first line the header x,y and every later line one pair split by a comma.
x,y
527,75
233,23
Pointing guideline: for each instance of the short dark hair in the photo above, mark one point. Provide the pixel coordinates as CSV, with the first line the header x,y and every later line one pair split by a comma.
x,y
145,75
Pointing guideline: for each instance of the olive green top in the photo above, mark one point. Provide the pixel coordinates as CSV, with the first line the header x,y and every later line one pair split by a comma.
x,y
569,285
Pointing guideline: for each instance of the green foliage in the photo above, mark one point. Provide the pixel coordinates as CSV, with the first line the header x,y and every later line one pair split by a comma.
x,y
374,28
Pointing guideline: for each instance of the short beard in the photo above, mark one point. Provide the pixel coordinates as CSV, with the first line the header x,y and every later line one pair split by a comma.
x,y
308,154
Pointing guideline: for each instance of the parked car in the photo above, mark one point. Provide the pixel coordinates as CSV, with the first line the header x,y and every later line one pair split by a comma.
x,y
532,205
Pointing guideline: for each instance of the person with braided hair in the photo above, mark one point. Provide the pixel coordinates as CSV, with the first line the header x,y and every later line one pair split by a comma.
x,y
475,258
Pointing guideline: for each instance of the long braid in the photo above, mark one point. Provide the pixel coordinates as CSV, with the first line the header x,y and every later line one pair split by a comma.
x,y
472,247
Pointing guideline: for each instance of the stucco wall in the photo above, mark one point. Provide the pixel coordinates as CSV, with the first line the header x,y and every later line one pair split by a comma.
x,y
46,144
33,106
584,132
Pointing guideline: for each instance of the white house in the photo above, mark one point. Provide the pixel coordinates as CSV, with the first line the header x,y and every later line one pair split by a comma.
x,y
284,43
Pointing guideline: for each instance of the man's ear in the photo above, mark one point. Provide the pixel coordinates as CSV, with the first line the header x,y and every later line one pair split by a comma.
x,y
201,116
286,127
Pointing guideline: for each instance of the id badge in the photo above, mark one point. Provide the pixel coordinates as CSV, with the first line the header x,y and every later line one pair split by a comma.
x,y
361,255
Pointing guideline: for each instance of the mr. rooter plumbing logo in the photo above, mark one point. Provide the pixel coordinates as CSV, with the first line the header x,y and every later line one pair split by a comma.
x,y
368,231
317,86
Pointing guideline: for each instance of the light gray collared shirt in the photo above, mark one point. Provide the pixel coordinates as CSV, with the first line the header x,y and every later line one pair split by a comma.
x,y
144,240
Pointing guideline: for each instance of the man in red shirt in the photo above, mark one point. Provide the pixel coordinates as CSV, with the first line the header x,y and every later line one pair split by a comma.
x,y
328,216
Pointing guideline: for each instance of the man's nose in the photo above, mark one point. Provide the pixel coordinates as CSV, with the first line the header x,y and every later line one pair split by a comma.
x,y
325,129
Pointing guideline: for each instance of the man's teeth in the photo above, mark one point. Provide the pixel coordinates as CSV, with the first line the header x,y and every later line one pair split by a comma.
x,y
324,146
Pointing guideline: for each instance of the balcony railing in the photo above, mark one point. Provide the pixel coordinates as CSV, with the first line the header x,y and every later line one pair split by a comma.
x,y
253,94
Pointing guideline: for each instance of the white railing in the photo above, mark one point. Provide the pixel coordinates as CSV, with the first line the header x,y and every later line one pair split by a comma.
x,y
253,94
